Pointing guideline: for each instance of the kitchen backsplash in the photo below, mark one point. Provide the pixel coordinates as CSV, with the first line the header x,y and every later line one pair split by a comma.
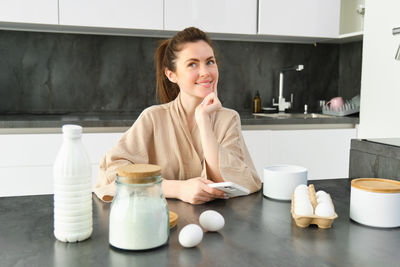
x,y
59,73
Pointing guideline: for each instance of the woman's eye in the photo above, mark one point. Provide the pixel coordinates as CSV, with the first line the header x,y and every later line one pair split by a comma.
x,y
192,65
210,62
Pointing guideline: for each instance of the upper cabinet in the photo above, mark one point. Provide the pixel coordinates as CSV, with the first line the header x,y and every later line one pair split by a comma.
x,y
133,14
28,11
310,18
219,16
351,16
298,21
306,18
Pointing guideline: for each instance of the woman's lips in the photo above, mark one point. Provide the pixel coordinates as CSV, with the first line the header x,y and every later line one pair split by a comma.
x,y
206,84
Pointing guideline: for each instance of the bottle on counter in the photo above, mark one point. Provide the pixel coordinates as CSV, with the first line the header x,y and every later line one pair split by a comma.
x,y
72,188
257,103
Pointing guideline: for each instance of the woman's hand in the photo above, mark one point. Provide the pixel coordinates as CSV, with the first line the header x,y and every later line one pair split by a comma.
x,y
196,191
209,105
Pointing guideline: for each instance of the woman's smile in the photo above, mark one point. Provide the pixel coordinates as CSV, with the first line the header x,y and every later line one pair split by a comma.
x,y
206,84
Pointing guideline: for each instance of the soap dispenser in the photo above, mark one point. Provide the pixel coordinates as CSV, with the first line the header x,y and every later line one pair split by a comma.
x,y
257,103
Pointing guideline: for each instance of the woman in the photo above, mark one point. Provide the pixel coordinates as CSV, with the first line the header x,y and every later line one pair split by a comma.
x,y
191,136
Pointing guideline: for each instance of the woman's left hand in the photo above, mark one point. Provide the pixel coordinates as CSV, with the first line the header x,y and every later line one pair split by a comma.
x,y
209,105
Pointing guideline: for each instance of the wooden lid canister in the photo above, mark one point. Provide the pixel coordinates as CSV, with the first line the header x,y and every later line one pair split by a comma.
x,y
376,185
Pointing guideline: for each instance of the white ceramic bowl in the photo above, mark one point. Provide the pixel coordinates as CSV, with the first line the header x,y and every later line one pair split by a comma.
x,y
375,202
281,180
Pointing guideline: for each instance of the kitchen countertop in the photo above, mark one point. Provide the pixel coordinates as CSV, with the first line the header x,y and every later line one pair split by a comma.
x,y
125,120
258,232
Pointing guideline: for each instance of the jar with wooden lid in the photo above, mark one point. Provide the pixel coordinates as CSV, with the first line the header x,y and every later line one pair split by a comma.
x,y
139,217
375,202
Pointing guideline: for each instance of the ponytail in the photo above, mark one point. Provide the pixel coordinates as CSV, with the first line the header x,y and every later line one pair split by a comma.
x,y
166,90
165,57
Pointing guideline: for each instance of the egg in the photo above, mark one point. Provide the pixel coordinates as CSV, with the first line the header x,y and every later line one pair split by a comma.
x,y
211,220
324,209
302,188
301,198
320,193
190,235
303,208
324,198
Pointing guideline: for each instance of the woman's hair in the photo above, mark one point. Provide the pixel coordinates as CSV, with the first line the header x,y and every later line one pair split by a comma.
x,y
165,57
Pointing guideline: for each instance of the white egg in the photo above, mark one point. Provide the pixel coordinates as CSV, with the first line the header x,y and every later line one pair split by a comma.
x,y
303,208
301,198
211,220
190,235
324,209
302,188
324,198
320,193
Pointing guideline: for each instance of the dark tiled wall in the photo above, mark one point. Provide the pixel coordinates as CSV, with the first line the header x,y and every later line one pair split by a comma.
x,y
350,69
58,73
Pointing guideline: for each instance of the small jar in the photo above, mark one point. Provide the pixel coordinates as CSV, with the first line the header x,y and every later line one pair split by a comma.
x,y
139,217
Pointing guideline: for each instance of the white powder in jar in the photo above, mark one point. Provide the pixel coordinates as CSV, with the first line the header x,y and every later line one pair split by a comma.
x,y
138,223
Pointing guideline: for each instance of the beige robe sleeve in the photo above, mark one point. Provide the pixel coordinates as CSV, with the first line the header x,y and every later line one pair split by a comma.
x,y
234,159
133,147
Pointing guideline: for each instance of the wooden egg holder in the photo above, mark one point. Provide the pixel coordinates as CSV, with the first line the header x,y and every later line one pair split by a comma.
x,y
305,221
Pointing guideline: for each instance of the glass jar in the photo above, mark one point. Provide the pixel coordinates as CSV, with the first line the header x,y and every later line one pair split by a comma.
x,y
139,216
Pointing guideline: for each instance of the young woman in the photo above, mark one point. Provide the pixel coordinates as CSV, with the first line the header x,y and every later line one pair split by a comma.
x,y
191,136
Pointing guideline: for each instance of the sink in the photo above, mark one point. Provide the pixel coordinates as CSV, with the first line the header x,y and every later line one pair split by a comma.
x,y
294,115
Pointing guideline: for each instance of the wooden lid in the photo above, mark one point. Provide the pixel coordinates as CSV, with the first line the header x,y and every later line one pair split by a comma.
x,y
173,219
377,185
138,173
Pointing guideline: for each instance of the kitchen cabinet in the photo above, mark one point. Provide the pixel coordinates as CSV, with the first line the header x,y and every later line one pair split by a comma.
x,y
325,152
27,11
27,160
351,17
309,18
219,16
133,14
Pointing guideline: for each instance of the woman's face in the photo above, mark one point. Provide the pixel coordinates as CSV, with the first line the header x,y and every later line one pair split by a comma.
x,y
196,70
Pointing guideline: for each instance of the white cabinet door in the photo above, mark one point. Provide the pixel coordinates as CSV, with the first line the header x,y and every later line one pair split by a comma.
x,y
351,19
220,16
325,153
307,18
26,161
134,14
29,11
257,144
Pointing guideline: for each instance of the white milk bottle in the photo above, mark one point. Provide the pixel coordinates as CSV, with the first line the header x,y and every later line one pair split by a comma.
x,y
72,188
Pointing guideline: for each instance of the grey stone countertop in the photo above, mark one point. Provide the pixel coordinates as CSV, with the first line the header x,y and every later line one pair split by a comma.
x,y
258,231
127,119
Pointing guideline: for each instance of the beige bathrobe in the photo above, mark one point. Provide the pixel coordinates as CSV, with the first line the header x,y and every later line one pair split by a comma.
x,y
161,136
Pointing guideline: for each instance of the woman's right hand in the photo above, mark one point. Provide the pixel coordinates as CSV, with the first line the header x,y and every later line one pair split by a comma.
x,y
196,191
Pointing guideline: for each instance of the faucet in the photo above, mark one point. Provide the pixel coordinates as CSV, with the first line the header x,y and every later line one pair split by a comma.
x,y
282,104
396,31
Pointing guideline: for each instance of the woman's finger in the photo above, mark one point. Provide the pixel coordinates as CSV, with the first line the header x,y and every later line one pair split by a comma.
x,y
209,99
215,88
213,191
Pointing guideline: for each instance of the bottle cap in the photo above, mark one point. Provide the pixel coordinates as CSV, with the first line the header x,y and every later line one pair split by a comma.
x,y
72,131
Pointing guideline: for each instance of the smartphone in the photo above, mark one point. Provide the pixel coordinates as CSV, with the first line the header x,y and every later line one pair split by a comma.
x,y
232,189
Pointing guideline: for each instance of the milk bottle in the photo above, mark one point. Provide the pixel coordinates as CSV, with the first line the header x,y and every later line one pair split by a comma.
x,y
72,188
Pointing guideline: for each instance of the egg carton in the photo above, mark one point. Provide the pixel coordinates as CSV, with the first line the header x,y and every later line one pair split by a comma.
x,y
347,109
305,221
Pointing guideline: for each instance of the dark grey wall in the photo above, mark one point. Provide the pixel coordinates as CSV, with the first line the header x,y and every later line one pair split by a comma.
x,y
60,73
350,69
